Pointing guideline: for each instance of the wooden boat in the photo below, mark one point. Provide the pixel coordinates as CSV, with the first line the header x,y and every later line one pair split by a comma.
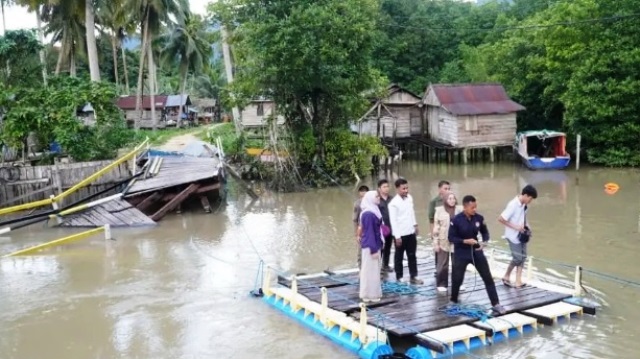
x,y
543,149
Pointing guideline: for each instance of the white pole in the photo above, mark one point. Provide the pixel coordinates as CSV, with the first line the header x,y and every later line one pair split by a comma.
x,y
55,206
107,231
578,140
577,282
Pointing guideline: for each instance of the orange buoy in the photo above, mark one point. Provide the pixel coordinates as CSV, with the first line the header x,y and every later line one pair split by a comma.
x,y
611,188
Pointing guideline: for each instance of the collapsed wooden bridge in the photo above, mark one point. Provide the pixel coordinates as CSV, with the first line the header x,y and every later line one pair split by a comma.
x,y
162,184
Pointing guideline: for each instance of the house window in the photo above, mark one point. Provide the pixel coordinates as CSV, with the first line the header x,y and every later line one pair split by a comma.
x,y
260,110
471,123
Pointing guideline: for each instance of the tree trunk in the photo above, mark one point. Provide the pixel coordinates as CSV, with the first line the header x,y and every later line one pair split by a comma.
x,y
62,52
318,126
228,66
114,53
72,60
184,69
43,59
4,32
143,52
4,19
92,48
124,68
152,86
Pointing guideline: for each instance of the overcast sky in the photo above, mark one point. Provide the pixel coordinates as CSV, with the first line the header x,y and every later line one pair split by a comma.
x,y
18,17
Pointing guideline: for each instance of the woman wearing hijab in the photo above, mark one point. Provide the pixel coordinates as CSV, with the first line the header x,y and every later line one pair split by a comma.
x,y
441,245
371,244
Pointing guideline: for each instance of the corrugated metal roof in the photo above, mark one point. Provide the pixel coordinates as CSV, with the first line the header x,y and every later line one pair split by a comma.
x,y
204,102
174,100
129,102
475,99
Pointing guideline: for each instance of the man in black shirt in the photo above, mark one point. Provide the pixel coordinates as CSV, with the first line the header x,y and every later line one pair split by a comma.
x,y
463,233
385,198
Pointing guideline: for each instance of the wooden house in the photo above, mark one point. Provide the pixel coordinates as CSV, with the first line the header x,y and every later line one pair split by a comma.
x,y
258,111
177,109
207,109
397,114
128,105
470,115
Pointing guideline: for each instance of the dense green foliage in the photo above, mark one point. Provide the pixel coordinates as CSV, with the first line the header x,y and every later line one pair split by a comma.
x,y
18,50
52,113
312,57
573,64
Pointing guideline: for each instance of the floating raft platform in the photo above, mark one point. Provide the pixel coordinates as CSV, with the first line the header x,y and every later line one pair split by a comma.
x,y
329,304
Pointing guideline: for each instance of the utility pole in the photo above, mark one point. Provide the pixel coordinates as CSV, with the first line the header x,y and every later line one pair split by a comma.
x,y
226,54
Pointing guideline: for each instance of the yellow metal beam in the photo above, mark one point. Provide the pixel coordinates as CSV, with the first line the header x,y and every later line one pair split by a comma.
x,y
100,173
57,242
79,185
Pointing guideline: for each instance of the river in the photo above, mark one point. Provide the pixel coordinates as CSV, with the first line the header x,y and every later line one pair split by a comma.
x,y
181,289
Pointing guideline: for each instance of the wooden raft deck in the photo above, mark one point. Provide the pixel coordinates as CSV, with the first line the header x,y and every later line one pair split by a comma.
x,y
409,314
116,213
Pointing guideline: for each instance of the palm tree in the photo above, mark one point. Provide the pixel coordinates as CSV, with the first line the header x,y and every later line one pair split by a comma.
x,y
3,5
116,23
66,25
152,14
92,47
188,43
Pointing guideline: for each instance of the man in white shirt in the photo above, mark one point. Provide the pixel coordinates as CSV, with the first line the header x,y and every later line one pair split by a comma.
x,y
404,229
514,218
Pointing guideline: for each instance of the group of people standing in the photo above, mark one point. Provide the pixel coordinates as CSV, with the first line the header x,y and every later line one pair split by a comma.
x,y
458,232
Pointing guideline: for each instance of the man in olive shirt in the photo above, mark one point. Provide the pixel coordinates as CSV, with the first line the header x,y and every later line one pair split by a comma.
x,y
443,189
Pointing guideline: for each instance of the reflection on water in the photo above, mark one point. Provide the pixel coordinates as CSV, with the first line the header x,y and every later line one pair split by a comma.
x,y
181,290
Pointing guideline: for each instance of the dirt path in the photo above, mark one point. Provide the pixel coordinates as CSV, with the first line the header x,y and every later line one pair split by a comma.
x,y
179,142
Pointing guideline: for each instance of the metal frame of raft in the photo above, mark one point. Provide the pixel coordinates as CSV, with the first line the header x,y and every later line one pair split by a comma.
x,y
370,342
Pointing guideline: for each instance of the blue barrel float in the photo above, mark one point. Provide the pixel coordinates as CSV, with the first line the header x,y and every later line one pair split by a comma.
x,y
372,350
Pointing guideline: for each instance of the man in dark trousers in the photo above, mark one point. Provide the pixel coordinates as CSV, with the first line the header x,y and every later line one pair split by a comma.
x,y
463,233
385,198
404,229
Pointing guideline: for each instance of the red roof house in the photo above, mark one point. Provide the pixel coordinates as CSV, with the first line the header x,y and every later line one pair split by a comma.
x,y
471,115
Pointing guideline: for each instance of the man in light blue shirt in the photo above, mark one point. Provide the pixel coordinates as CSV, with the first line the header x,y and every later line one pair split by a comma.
x,y
514,219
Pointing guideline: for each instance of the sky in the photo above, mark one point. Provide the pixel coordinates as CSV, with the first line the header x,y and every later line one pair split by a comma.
x,y
18,17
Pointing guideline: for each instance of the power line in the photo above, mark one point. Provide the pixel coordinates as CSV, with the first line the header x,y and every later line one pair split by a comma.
x,y
525,27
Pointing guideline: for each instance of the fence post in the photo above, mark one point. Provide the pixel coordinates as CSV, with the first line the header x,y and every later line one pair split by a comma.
x,y
577,282
293,301
363,323
107,231
529,268
324,304
266,284
578,142
55,206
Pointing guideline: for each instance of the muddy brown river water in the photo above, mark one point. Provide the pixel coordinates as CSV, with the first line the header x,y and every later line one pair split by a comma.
x,y
180,290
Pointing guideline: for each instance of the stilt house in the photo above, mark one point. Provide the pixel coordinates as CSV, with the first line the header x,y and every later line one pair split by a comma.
x,y
471,115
